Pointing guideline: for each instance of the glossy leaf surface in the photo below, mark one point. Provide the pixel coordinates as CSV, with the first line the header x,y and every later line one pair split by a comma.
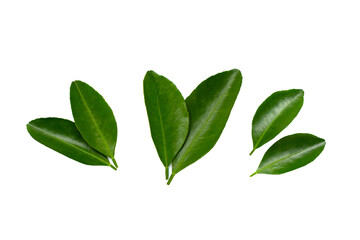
x,y
94,118
290,153
62,136
275,114
209,107
168,116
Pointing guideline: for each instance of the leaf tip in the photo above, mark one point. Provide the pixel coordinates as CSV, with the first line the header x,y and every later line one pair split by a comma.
x,y
150,73
299,92
236,71
31,124
74,82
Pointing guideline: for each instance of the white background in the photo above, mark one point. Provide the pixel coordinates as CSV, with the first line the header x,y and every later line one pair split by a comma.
x,y
278,45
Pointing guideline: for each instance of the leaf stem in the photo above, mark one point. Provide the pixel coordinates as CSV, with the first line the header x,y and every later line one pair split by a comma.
x,y
114,161
252,151
253,174
171,178
113,167
166,172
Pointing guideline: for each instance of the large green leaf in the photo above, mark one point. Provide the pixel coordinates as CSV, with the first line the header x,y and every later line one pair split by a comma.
x,y
290,153
275,114
168,116
209,107
94,118
62,136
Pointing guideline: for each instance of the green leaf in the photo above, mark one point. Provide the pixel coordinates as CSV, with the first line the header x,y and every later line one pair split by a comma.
x,y
209,107
62,136
94,118
290,153
168,116
275,114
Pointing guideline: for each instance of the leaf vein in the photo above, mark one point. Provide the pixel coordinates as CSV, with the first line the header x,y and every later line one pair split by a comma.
x,y
161,124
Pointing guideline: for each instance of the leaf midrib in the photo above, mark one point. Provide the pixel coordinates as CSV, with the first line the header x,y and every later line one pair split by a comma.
x,y
68,144
94,121
198,133
161,124
272,122
291,155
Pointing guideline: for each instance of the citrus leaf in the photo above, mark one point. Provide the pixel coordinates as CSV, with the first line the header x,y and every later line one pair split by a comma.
x,y
62,136
94,118
168,116
209,107
290,153
275,114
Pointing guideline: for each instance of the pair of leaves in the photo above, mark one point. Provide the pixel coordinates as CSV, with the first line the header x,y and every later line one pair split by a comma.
x,y
290,152
183,131
91,139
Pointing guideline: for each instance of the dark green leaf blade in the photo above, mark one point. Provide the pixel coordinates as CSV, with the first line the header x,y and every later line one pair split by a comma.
x,y
94,118
168,116
290,153
62,136
209,107
275,114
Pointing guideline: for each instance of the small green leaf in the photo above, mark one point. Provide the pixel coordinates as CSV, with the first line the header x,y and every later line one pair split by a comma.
x,y
275,114
94,118
168,116
290,153
62,136
209,107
